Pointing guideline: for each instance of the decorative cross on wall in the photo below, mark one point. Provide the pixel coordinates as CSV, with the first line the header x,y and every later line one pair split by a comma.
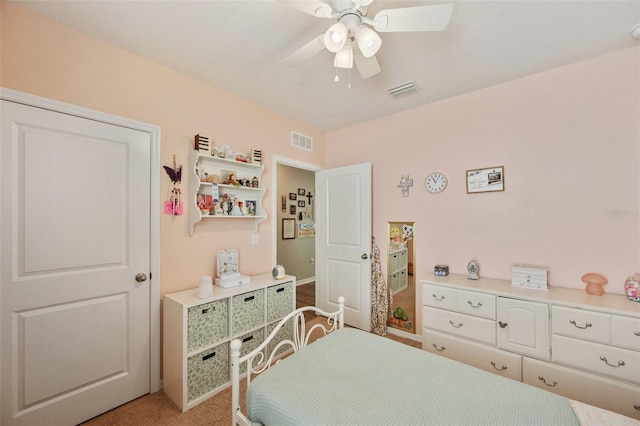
x,y
405,184
309,206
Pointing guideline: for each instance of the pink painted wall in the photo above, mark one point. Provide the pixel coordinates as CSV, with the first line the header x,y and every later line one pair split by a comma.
x,y
569,141
46,59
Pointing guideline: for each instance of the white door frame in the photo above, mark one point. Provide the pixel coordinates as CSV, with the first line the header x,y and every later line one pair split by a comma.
x,y
276,159
154,133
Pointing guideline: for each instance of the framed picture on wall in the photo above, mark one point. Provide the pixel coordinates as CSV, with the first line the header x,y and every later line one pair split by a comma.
x,y
292,209
485,180
300,203
301,191
288,229
293,196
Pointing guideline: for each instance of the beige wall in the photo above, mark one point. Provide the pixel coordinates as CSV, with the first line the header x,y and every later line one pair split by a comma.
x,y
46,59
569,141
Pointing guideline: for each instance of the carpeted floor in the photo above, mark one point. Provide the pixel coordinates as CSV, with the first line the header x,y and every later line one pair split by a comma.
x,y
158,409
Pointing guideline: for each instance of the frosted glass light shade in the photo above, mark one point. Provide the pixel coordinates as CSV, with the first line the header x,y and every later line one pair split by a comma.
x,y
369,41
344,58
336,37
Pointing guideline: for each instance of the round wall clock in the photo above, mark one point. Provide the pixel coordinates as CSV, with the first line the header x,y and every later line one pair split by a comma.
x,y
436,182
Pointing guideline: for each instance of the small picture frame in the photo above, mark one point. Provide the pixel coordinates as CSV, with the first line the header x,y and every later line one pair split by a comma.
x,y
283,203
292,209
251,207
293,196
301,203
489,179
288,229
301,191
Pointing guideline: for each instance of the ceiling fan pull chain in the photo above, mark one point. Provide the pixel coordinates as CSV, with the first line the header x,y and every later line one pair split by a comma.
x,y
337,79
349,84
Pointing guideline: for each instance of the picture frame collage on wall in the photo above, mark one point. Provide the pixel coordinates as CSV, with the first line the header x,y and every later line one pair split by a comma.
x,y
298,207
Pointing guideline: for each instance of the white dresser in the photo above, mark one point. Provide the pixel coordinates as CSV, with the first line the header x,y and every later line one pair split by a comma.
x,y
197,333
584,347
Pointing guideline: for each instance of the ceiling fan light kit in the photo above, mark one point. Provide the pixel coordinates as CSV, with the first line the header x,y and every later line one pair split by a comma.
x,y
353,25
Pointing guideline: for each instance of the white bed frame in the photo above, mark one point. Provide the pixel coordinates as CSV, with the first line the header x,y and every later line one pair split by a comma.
x,y
255,359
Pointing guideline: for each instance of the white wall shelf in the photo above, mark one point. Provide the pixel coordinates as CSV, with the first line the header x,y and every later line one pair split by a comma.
x,y
215,165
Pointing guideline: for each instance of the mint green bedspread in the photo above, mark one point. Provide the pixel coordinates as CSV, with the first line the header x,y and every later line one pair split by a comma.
x,y
355,378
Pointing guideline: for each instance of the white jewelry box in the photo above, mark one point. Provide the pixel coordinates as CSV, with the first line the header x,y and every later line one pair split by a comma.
x,y
529,276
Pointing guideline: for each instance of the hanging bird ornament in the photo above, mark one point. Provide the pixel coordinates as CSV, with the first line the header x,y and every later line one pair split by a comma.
x,y
173,205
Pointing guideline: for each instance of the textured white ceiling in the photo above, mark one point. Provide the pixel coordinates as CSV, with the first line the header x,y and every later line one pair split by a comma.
x,y
238,46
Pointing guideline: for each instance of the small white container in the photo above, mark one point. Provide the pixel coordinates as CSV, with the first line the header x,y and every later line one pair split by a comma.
x,y
205,289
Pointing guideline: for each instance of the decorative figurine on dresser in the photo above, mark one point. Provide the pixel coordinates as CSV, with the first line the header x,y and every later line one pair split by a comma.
x,y
473,269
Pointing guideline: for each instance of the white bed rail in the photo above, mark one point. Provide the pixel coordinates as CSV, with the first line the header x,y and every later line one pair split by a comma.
x,y
255,360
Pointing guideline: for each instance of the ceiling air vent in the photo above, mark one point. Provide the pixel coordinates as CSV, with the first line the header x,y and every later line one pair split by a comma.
x,y
402,89
301,141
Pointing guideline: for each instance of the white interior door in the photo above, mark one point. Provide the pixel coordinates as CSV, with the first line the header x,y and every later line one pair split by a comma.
x,y
343,242
75,227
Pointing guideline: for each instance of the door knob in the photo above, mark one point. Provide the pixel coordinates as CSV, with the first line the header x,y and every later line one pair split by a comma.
x,y
140,277
364,256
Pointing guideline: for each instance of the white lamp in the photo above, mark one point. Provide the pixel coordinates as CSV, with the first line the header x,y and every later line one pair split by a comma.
x,y
344,58
336,37
368,41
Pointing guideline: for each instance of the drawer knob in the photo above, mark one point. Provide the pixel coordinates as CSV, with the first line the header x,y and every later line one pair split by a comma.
x,y
586,325
604,358
456,326
476,306
504,367
502,324
440,349
637,333
439,299
543,380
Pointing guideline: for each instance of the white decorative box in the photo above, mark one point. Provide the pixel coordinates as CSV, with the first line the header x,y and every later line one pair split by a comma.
x,y
529,276
232,280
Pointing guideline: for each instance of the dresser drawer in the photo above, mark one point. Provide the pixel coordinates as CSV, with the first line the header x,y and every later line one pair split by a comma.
x,y
247,311
598,391
439,297
607,360
625,332
461,325
579,323
485,357
279,301
477,304
207,324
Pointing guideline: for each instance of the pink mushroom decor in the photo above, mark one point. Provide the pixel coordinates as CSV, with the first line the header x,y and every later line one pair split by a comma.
x,y
594,283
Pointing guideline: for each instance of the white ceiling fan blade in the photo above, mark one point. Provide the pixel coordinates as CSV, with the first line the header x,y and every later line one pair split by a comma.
x,y
315,8
419,18
305,52
367,67
362,3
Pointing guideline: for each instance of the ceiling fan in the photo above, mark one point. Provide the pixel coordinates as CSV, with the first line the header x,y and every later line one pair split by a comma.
x,y
351,37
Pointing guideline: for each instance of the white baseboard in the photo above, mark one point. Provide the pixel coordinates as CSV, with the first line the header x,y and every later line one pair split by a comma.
x,y
305,281
404,334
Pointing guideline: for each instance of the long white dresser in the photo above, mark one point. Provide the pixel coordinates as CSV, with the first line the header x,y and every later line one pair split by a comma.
x,y
581,346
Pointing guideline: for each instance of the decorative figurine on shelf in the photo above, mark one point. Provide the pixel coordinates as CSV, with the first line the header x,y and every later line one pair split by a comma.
x,y
254,182
231,180
473,269
235,208
632,287
594,283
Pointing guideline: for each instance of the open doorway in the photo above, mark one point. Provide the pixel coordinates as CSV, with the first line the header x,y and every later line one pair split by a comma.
x,y
293,208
